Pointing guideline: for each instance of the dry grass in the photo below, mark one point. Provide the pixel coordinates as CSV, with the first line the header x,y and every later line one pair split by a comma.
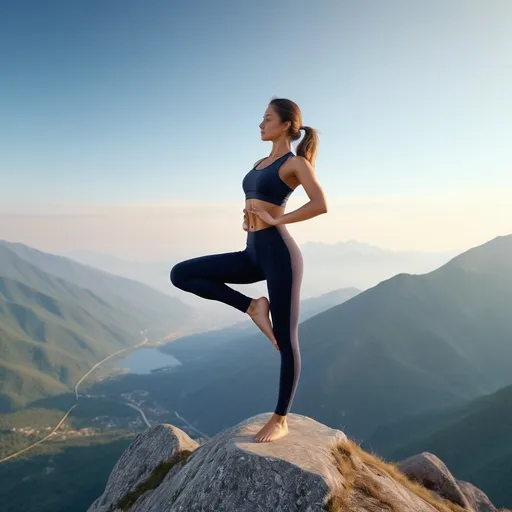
x,y
359,471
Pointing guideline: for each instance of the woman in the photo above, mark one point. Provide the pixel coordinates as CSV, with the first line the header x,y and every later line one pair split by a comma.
x,y
271,254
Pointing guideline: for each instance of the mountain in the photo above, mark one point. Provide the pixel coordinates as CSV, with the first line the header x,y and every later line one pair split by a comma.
x,y
152,273
58,318
474,439
353,263
123,292
155,274
209,345
314,305
410,344
313,468
327,267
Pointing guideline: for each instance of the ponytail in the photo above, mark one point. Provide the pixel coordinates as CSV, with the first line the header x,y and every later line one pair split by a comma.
x,y
308,146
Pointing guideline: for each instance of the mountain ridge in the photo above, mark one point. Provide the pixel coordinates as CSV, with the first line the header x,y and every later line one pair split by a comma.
x,y
52,328
409,344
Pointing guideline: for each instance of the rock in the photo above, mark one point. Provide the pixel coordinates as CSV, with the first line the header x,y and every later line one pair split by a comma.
x,y
232,472
147,450
313,469
478,499
433,474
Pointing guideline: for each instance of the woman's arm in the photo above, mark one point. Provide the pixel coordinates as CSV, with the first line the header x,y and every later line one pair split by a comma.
x,y
317,204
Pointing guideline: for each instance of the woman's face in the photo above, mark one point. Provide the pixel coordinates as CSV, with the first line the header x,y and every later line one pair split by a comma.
x,y
271,127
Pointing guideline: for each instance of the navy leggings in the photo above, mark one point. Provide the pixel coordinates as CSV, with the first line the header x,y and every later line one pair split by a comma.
x,y
271,254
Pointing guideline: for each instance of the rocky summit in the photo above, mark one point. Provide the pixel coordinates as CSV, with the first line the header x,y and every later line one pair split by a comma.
x,y
313,468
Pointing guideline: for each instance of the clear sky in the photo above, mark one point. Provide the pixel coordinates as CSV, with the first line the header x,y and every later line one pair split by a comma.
x,y
124,120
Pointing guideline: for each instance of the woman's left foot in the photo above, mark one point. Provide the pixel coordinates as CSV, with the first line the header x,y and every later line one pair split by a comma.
x,y
259,312
271,431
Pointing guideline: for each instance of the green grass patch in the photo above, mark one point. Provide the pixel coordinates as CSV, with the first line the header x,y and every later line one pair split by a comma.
x,y
153,480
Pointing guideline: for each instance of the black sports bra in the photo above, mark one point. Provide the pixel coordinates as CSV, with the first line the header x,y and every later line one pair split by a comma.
x,y
266,184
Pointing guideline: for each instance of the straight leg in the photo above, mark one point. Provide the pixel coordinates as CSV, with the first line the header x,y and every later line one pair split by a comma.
x,y
283,266
284,284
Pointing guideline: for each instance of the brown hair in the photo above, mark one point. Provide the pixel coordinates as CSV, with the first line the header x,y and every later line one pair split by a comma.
x,y
287,110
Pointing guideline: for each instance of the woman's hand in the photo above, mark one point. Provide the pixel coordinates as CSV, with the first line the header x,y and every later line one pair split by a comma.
x,y
264,216
245,225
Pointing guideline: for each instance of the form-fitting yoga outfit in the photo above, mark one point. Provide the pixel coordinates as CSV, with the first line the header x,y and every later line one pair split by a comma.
x,y
270,254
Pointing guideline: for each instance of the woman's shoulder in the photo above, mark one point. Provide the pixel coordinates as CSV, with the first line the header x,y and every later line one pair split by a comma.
x,y
296,159
296,162
298,166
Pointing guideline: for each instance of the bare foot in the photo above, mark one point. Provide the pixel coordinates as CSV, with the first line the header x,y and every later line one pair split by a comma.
x,y
271,431
259,312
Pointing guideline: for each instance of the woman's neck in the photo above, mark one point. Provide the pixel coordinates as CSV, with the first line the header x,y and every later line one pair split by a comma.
x,y
279,148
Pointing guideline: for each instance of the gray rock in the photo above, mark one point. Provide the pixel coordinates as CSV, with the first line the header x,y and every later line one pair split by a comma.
x,y
147,450
433,474
477,498
231,472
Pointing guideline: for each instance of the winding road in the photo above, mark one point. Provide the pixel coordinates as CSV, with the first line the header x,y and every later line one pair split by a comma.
x,y
103,360
29,447
141,413
191,426
40,440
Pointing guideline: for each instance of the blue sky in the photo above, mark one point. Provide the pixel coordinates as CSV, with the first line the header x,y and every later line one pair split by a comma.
x,y
129,102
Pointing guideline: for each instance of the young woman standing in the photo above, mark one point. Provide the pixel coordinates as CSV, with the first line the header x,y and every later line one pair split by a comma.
x,y
271,253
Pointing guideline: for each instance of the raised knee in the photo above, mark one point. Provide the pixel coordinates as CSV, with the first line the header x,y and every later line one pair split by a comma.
x,y
177,275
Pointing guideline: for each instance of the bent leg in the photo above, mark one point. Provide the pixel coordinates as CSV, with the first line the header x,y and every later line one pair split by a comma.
x,y
284,277
206,276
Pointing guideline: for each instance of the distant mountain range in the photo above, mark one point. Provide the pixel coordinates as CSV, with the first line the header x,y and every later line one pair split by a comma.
x,y
59,317
410,344
327,267
414,363
354,263
473,439
204,346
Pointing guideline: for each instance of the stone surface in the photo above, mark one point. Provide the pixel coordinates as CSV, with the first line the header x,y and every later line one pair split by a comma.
x,y
231,472
433,474
478,499
147,450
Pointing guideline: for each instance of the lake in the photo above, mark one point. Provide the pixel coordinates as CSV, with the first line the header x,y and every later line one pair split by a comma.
x,y
148,360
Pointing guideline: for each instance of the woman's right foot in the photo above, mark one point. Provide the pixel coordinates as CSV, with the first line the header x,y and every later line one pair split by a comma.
x,y
259,312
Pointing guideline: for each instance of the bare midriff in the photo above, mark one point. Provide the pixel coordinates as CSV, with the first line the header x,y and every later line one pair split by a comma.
x,y
254,223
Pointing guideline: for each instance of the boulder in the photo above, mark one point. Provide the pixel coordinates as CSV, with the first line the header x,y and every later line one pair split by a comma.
x,y
153,446
314,468
432,473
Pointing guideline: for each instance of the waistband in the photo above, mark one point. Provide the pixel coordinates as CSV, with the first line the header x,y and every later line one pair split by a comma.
x,y
267,235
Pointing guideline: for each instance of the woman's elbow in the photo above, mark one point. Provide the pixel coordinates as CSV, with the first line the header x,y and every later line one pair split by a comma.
x,y
322,207
318,206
